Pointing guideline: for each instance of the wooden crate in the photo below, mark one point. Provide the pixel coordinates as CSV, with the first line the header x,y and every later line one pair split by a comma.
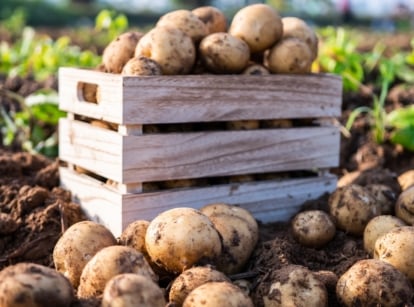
x,y
129,158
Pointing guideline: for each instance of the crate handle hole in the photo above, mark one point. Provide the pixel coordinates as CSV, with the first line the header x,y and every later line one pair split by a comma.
x,y
88,92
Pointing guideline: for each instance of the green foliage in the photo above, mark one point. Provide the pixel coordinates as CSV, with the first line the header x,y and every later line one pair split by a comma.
x,y
111,22
401,122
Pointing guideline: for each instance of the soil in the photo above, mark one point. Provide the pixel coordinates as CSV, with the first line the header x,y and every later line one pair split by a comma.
x,y
35,211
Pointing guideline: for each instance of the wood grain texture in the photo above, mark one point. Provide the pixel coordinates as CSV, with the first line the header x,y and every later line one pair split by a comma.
x,y
268,201
143,158
200,98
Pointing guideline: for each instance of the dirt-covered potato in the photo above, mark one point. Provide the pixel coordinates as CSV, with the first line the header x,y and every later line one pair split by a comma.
x,y
378,226
109,262
290,56
259,25
404,208
384,195
295,285
256,70
352,207
34,285
215,293
213,18
406,179
296,27
187,22
170,47
120,50
77,245
223,53
397,248
313,228
141,66
372,282
131,290
190,279
180,238
134,235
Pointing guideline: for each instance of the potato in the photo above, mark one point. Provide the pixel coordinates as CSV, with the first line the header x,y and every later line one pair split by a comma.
x,y
404,208
134,235
289,56
397,248
384,195
295,285
353,207
34,285
244,285
243,125
170,47
77,245
213,294
109,262
313,228
256,70
130,290
213,18
180,238
277,123
90,90
187,22
372,282
141,66
259,25
190,279
378,226
406,179
120,50
296,27
223,53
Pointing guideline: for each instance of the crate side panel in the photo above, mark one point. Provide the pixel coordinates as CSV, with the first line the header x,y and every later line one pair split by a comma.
x,y
93,148
206,154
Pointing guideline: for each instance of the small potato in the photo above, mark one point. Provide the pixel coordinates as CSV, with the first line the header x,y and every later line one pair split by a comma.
x,y
141,66
256,70
259,25
213,18
396,247
295,285
353,207
109,262
289,56
223,53
313,228
131,290
190,279
404,208
120,50
214,294
77,245
187,22
372,282
180,238
34,285
134,235
170,47
384,195
406,179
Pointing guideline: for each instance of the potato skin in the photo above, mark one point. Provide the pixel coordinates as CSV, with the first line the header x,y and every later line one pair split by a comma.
x,y
141,66
406,179
213,18
371,282
404,207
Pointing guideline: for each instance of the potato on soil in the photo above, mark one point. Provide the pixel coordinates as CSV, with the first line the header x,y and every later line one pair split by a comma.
x,y
377,227
190,279
215,293
384,195
180,238
313,228
223,53
289,56
109,262
259,25
141,66
295,285
404,208
397,248
131,290
120,50
170,47
372,282
77,245
406,179
213,18
34,285
353,207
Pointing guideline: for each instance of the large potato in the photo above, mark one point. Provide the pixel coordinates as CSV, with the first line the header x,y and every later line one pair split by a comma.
x,y
34,285
404,208
372,282
78,244
259,25
213,18
170,47
180,238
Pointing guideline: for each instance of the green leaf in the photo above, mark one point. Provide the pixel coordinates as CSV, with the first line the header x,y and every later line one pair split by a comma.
x,y
402,117
404,137
354,114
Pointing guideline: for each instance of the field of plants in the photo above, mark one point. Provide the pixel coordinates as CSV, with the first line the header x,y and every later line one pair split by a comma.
x,y
377,148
